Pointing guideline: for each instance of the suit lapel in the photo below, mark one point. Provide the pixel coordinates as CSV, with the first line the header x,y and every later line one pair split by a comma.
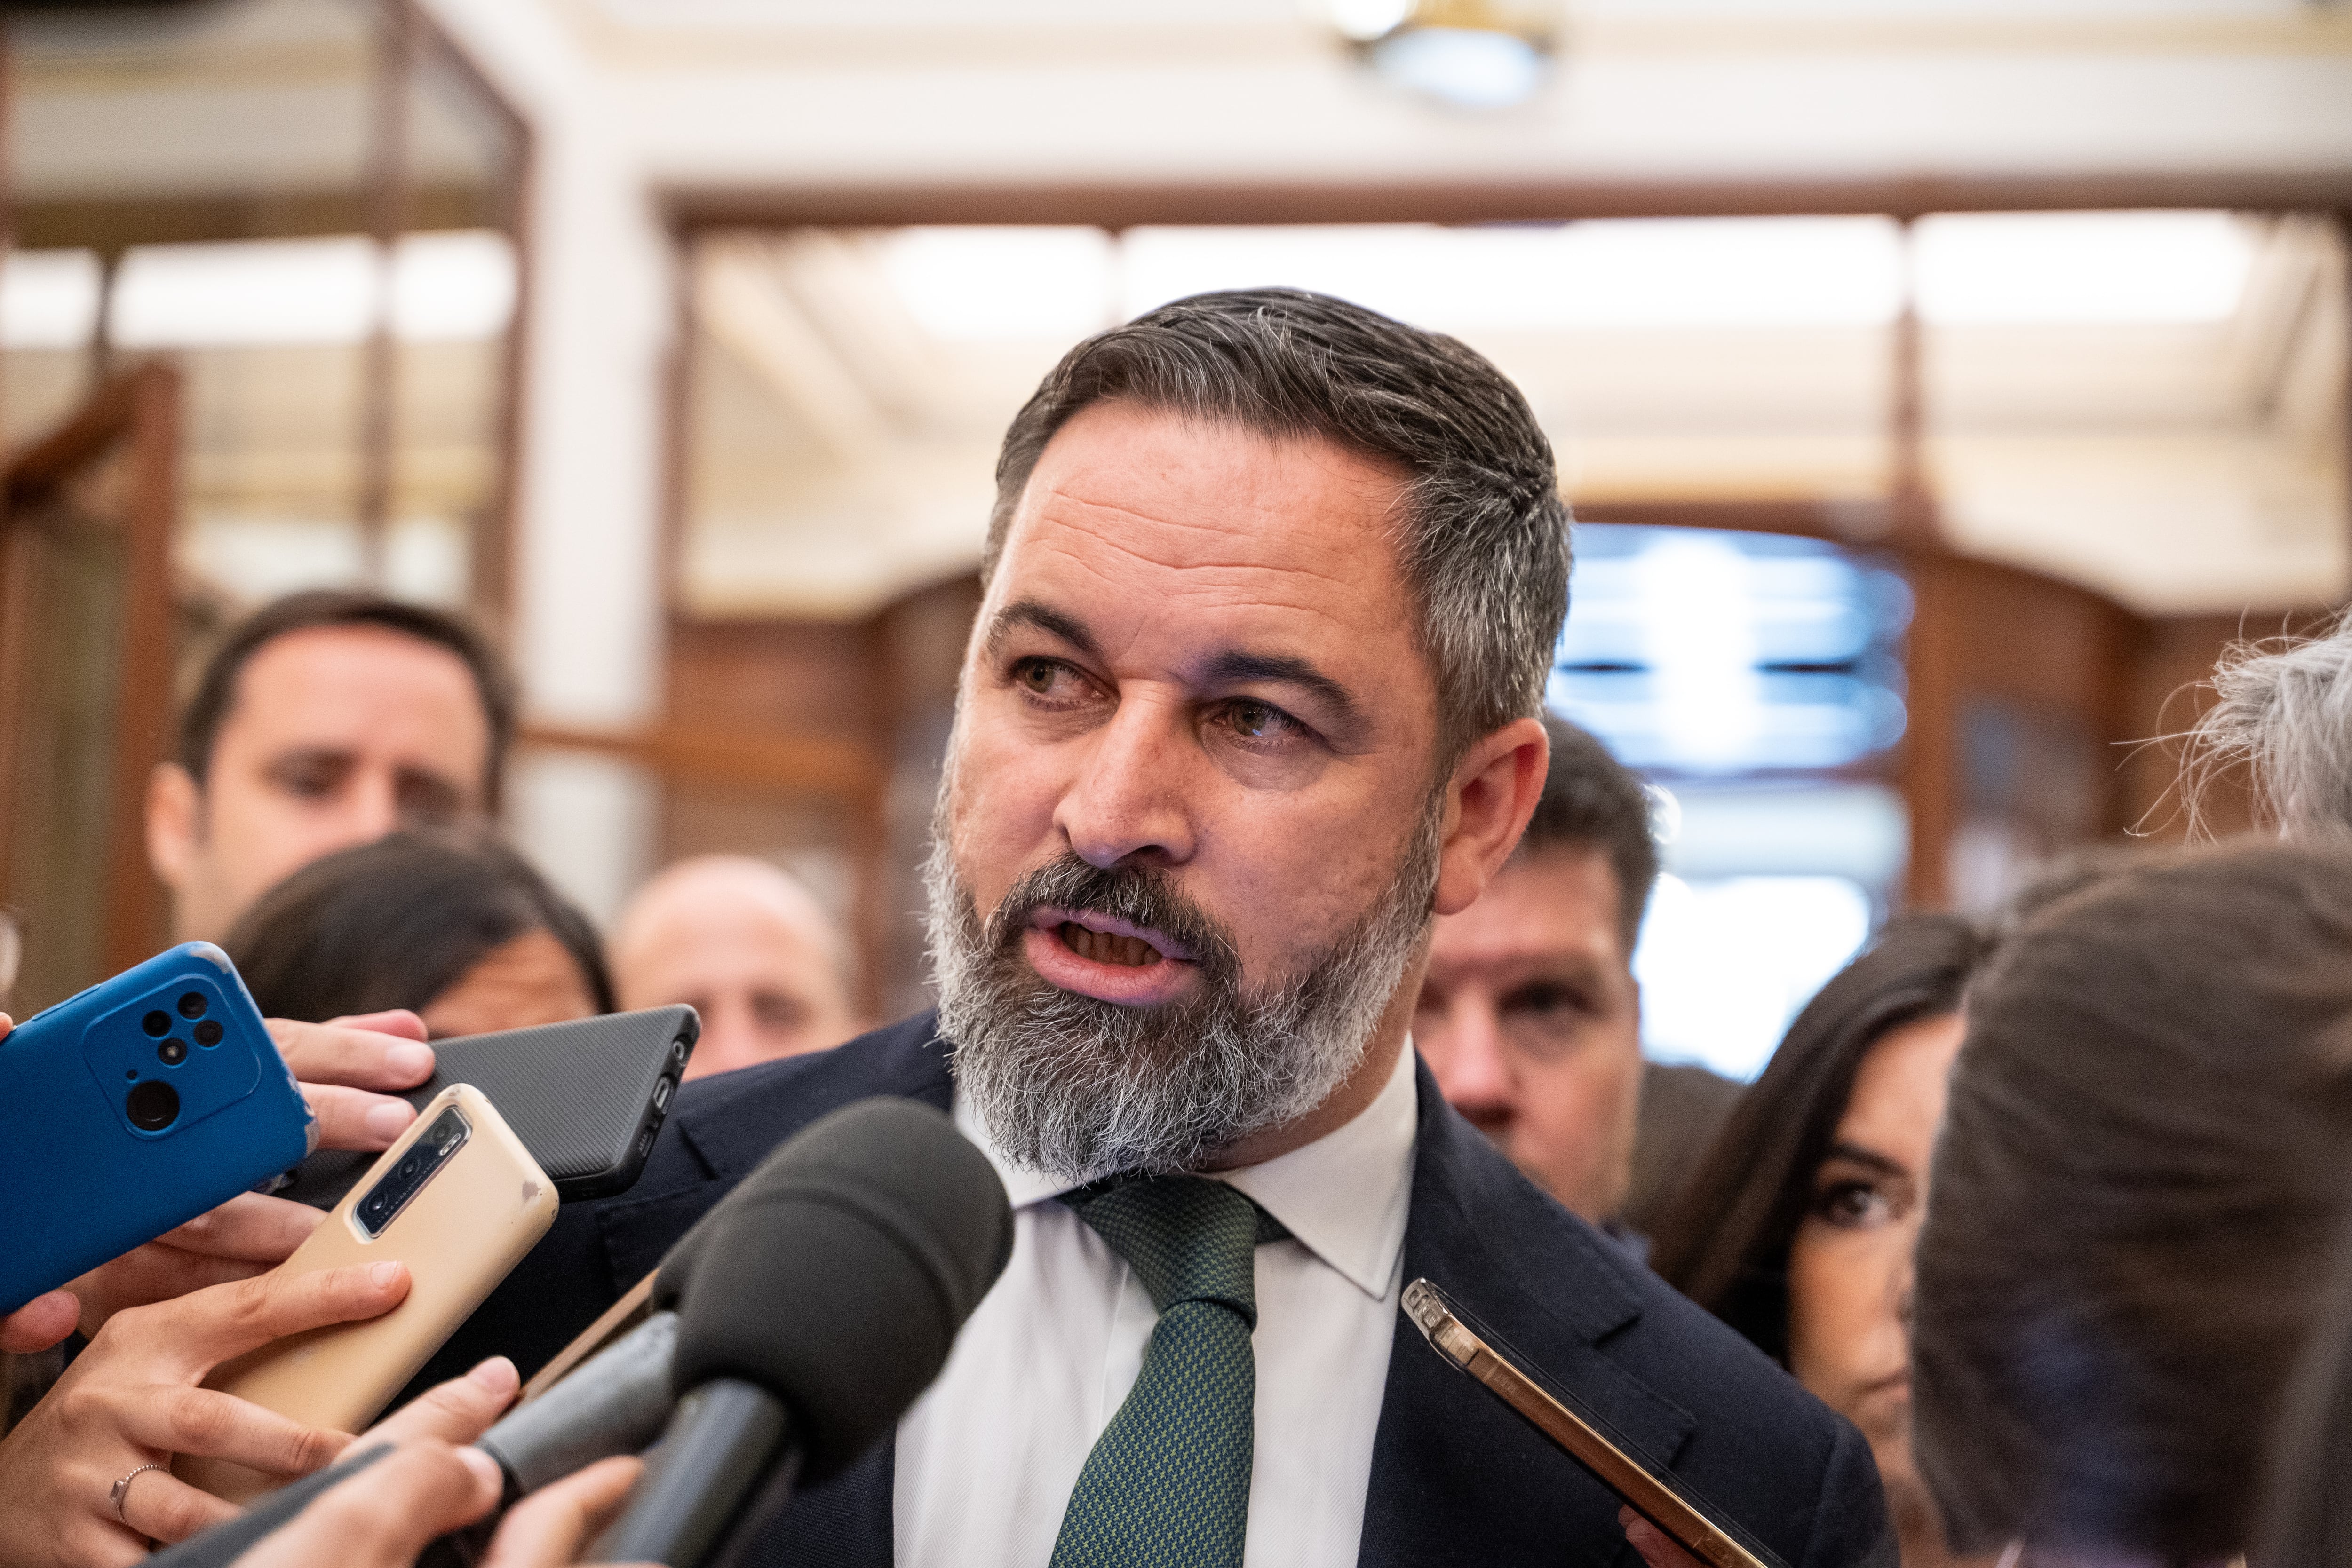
x,y
1454,1471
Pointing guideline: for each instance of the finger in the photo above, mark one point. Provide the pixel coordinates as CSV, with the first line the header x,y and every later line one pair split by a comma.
x,y
354,1058
1657,1549
395,1020
148,1275
162,1507
250,1228
209,1424
41,1323
457,1411
556,1524
197,1332
355,1119
383,1517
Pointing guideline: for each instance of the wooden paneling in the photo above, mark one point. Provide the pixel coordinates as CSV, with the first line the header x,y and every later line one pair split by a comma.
x,y
815,745
86,652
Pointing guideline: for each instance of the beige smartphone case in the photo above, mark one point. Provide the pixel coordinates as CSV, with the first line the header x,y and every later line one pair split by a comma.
x,y
462,1233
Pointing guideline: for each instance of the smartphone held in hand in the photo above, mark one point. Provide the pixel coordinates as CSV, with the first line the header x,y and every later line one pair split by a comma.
x,y
460,1201
132,1108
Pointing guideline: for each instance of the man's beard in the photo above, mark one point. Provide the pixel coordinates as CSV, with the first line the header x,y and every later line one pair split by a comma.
x,y
1079,1087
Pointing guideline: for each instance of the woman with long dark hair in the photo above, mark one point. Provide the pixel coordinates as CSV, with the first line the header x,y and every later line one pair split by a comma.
x,y
1797,1227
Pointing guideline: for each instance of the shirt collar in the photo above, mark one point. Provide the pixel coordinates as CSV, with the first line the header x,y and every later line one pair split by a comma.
x,y
1344,1197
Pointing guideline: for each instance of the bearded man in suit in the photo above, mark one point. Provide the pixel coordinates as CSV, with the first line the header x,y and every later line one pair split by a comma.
x,y
1272,587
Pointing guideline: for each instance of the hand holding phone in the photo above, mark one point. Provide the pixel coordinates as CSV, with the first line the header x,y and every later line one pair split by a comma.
x,y
132,1398
586,1097
345,1068
458,1199
132,1108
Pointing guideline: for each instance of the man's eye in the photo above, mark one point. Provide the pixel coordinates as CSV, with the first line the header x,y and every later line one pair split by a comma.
x,y
1544,1001
309,780
1258,721
429,801
1042,677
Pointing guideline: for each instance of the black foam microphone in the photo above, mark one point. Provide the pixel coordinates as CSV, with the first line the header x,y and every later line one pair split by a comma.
x,y
814,1307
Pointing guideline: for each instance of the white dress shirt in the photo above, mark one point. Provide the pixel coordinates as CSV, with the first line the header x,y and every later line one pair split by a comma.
x,y
988,1457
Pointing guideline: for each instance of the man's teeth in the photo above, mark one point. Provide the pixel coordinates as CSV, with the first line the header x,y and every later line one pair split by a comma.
x,y
1108,947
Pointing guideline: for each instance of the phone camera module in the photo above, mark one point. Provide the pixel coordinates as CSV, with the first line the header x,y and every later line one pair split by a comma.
x,y
158,1022
171,1052
208,1032
192,1005
153,1105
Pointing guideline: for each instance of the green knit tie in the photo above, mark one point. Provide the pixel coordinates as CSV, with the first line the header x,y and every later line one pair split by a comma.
x,y
1168,1483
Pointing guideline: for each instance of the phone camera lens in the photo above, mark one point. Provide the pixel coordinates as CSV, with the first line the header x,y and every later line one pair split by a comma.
x,y
158,1022
171,1052
192,1005
408,1167
153,1105
208,1032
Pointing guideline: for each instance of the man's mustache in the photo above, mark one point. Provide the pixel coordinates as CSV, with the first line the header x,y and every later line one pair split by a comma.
x,y
1141,896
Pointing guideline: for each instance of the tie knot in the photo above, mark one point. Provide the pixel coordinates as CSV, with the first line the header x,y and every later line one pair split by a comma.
x,y
1188,1238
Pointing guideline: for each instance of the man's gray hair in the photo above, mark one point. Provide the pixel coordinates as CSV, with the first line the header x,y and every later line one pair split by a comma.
x,y
1482,542
2286,712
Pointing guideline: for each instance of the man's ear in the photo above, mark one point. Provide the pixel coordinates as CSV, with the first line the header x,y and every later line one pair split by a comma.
x,y
176,808
1488,800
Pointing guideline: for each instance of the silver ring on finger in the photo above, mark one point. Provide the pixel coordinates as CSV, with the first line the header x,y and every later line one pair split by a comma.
x,y
122,1489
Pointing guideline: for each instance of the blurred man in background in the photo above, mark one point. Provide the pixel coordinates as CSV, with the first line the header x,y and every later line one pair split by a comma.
x,y
748,947
324,719
1530,1016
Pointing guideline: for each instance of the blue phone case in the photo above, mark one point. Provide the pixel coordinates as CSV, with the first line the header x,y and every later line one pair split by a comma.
x,y
132,1108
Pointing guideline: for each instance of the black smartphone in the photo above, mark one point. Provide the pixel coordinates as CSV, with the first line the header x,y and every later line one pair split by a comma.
x,y
585,1098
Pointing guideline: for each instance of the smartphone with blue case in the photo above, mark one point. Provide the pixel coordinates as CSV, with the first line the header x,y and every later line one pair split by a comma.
x,y
134,1108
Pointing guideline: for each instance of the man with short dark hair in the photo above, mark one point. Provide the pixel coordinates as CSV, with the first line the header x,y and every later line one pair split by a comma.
x,y
1270,592
1530,1016
324,719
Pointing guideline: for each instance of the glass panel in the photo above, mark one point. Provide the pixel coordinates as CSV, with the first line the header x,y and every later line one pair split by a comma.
x,y
1695,651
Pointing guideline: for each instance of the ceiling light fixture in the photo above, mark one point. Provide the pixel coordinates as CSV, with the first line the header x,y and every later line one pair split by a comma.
x,y
1465,54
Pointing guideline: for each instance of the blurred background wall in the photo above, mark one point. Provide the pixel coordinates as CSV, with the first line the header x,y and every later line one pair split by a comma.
x,y
1940,386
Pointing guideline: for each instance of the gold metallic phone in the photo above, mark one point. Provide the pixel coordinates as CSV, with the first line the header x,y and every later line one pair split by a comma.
x,y
460,1201
1665,1504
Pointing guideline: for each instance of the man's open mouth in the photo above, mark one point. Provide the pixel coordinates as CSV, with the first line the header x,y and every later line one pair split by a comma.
x,y
1106,939
1107,946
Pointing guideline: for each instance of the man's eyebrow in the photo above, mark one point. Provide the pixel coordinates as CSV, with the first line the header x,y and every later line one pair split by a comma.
x,y
1236,665
1044,618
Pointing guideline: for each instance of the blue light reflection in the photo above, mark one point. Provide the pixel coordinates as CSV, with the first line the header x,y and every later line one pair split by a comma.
x,y
1700,652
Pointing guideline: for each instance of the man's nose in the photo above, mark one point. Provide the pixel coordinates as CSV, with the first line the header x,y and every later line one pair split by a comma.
x,y
1128,802
1464,1051
372,805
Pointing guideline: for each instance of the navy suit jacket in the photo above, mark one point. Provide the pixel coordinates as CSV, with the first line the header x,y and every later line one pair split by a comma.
x,y
1455,1479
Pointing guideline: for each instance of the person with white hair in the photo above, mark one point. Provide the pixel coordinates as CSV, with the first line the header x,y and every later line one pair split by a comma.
x,y
2284,713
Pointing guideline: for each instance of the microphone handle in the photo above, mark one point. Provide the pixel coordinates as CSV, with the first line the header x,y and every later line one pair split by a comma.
x,y
226,1542
616,1404
720,1446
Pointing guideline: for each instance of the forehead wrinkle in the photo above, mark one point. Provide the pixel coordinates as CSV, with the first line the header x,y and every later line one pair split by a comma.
x,y
1217,523
1212,577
